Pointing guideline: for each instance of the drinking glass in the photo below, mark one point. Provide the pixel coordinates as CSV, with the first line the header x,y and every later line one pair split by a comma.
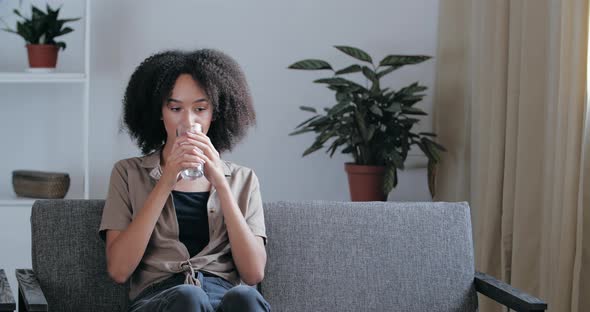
x,y
190,173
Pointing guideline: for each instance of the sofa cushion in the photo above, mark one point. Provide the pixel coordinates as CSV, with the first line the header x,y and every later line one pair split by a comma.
x,y
369,256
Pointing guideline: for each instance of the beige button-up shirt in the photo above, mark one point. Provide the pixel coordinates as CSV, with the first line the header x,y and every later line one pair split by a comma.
x,y
131,182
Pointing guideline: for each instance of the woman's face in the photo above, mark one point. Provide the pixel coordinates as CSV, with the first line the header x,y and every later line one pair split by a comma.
x,y
188,104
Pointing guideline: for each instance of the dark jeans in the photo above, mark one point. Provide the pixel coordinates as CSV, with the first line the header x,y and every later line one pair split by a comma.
x,y
216,294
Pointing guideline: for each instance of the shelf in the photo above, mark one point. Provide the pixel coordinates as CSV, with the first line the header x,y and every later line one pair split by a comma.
x,y
11,200
42,77
16,201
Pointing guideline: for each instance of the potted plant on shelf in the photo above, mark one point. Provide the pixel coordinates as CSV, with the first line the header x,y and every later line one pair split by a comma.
x,y
39,32
372,123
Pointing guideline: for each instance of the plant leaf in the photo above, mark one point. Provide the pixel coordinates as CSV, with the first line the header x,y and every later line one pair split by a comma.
x,y
409,121
338,108
339,81
321,121
370,74
432,178
438,146
397,159
386,71
335,145
401,60
335,81
64,31
308,108
394,107
19,14
356,53
312,149
429,150
390,179
301,131
306,121
348,149
372,129
48,8
24,30
413,111
350,69
343,97
67,20
376,110
310,64
9,30
37,14
325,136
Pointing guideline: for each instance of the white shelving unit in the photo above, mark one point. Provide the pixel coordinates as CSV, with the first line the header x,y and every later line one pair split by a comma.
x,y
32,83
44,121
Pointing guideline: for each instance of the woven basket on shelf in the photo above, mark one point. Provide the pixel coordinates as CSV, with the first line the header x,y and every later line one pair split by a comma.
x,y
39,184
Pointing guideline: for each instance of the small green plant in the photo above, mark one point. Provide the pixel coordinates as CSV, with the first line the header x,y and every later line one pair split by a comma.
x,y
374,124
41,27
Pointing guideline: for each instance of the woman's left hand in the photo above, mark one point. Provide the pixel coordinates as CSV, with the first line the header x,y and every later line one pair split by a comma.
x,y
213,166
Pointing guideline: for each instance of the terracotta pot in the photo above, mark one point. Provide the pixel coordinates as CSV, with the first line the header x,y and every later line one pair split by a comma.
x,y
42,55
365,182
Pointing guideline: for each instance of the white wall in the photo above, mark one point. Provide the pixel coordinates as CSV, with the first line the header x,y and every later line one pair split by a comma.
x,y
40,123
265,37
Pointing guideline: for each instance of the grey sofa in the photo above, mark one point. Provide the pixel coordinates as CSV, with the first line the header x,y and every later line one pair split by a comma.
x,y
322,256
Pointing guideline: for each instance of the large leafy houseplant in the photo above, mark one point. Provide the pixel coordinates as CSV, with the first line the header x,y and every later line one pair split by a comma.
x,y
372,123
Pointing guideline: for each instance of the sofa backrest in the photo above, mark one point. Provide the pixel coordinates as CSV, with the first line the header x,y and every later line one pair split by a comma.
x,y
369,256
322,256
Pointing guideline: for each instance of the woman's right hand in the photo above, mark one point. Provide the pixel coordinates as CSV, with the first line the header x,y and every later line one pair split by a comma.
x,y
184,155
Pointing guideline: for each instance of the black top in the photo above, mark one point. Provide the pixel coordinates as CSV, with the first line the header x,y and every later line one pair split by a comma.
x,y
193,223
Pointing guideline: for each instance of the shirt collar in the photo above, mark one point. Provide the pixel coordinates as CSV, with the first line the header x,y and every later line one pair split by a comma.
x,y
152,161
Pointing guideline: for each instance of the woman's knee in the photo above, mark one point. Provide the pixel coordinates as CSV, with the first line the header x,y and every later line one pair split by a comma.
x,y
188,296
243,298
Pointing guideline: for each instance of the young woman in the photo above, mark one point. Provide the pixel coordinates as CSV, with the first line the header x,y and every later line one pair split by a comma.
x,y
186,245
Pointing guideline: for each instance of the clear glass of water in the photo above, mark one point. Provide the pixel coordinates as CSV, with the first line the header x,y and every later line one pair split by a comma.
x,y
190,173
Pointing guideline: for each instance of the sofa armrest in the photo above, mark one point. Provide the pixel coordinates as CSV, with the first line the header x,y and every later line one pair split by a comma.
x,y
506,294
30,294
7,302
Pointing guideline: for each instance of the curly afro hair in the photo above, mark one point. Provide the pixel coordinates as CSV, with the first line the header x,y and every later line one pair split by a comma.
x,y
153,80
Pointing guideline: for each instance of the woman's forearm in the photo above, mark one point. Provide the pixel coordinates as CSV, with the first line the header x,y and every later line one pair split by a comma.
x,y
248,253
128,248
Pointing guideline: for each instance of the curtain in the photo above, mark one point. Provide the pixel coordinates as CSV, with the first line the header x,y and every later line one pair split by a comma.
x,y
511,108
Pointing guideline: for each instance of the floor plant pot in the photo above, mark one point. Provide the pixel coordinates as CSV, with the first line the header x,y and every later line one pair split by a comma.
x,y
365,182
42,55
